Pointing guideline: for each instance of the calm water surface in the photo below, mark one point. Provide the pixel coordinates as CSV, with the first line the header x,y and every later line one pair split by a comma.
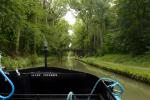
x,y
134,90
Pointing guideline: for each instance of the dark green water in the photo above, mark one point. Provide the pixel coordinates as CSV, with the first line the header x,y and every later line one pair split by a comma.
x,y
134,90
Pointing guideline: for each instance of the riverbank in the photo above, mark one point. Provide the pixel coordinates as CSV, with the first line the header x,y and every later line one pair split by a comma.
x,y
24,62
123,65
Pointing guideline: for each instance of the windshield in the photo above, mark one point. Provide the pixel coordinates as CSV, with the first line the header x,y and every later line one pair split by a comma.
x,y
106,38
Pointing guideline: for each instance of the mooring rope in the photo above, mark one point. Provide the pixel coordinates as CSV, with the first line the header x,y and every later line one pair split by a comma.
x,y
10,82
115,83
70,95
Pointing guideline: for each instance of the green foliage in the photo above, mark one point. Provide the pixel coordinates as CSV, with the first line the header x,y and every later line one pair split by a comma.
x,y
100,28
126,60
120,26
94,16
109,63
134,25
24,62
79,37
59,38
26,24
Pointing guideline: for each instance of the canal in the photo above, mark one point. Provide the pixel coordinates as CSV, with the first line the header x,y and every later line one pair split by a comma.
x,y
134,90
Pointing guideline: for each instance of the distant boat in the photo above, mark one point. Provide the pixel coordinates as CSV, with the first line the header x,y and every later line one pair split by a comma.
x,y
55,84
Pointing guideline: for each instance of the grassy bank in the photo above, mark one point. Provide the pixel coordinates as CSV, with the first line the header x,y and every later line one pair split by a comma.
x,y
124,64
23,62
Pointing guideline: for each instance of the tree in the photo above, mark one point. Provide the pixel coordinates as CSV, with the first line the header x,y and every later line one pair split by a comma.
x,y
26,24
134,23
94,15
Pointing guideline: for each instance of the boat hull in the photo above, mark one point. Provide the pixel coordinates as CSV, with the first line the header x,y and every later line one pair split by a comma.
x,y
54,84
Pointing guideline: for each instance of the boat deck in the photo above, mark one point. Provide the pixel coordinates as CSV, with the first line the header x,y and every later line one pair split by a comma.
x,y
55,97
54,84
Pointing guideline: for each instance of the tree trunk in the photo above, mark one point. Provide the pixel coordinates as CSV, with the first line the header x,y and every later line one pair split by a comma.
x,y
17,40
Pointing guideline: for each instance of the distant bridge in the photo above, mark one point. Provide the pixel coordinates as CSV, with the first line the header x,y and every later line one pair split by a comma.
x,y
71,49
79,52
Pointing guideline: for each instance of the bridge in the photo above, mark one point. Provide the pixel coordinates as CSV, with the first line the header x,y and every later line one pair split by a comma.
x,y
79,52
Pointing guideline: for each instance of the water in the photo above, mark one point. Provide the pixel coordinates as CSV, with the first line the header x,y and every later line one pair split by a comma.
x,y
134,90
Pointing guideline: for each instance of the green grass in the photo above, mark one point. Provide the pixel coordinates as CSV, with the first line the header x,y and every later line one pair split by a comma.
x,y
138,61
23,62
124,64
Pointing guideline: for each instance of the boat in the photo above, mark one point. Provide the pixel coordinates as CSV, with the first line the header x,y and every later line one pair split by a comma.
x,y
52,83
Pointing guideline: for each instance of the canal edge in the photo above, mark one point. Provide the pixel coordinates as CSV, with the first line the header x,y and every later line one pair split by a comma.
x,y
125,74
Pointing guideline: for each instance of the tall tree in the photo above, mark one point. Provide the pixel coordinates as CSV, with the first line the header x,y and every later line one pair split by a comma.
x,y
94,14
134,25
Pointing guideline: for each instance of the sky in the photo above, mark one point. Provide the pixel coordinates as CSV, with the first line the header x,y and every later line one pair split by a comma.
x,y
70,32
70,16
70,45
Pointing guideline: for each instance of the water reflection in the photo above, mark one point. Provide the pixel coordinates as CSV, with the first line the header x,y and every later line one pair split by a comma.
x,y
133,90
